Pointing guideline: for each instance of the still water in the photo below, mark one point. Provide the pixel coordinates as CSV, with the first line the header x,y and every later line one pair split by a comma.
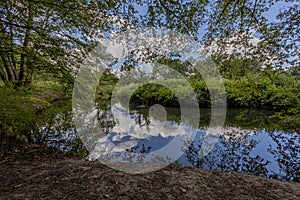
x,y
249,142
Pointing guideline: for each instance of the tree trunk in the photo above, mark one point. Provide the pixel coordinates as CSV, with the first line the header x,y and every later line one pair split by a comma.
x,y
9,67
9,64
2,75
23,63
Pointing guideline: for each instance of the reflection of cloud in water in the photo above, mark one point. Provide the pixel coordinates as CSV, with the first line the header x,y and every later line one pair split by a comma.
x,y
127,125
137,138
134,133
159,140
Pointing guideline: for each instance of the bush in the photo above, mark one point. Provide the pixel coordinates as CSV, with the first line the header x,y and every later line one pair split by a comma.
x,y
24,111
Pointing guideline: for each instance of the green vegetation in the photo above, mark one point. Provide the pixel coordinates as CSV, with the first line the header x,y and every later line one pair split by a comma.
x,y
42,44
277,91
39,113
26,110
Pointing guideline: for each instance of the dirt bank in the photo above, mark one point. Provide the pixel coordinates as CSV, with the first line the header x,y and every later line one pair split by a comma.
x,y
38,172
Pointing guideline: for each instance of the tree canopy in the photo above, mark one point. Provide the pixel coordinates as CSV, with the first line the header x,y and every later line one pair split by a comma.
x,y
53,36
47,35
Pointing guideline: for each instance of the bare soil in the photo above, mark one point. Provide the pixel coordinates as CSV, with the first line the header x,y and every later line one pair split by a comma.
x,y
39,172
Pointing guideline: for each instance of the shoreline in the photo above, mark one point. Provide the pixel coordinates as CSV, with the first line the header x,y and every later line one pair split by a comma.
x,y
29,171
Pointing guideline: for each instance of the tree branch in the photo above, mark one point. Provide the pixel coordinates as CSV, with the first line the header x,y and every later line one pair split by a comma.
x,y
223,11
170,11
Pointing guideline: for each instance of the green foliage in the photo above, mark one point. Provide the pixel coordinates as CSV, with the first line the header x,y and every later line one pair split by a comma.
x,y
27,110
49,37
234,68
105,88
77,148
46,36
151,94
265,89
283,92
18,113
201,91
41,40
258,89
285,33
165,92
245,92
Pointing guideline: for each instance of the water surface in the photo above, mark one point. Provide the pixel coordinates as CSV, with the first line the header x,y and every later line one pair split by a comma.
x,y
250,141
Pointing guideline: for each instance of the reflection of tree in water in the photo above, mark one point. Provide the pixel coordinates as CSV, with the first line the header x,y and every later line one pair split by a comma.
x,y
142,121
234,154
59,132
228,156
97,124
136,154
138,149
287,154
133,154
105,121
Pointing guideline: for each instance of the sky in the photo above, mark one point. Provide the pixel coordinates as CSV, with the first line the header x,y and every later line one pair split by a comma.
x,y
274,10
270,14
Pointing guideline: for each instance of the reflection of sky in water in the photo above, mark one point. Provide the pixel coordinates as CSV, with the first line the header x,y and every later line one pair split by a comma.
x,y
261,149
257,152
134,134
272,154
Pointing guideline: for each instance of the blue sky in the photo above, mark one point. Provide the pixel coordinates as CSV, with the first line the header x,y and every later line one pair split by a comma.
x,y
274,10
270,15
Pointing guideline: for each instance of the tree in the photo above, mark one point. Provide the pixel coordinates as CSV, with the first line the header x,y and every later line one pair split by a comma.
x,y
48,36
285,34
53,36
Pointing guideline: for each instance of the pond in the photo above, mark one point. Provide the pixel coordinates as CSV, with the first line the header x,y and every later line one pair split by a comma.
x,y
249,142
